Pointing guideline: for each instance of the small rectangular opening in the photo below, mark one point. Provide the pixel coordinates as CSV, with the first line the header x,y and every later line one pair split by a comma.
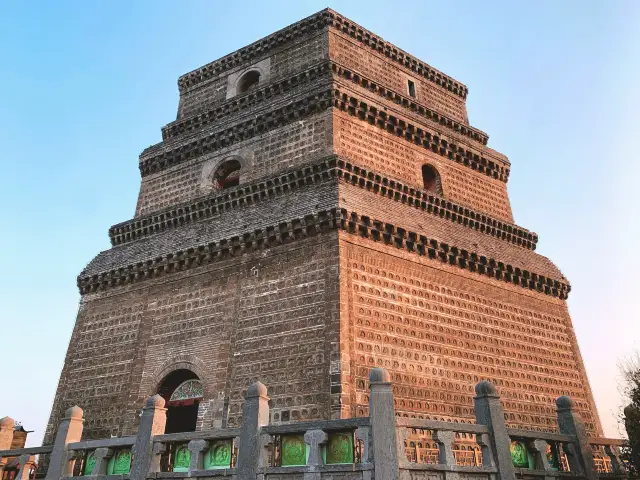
x,y
412,88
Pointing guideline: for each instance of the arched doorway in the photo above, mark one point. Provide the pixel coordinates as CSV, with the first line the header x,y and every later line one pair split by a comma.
x,y
182,392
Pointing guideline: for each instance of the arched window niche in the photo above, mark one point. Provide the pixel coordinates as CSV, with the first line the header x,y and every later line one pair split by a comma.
x,y
227,174
248,81
431,179
182,391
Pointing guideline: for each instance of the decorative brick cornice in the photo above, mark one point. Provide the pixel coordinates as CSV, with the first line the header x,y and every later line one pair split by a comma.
x,y
419,135
401,57
308,26
436,205
244,101
288,34
410,104
212,205
413,242
204,254
313,224
302,108
329,167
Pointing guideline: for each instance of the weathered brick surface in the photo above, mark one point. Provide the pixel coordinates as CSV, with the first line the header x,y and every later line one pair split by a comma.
x,y
439,330
351,54
293,278
271,312
374,148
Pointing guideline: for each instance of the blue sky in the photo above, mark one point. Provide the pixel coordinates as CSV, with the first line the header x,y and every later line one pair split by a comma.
x,y
87,85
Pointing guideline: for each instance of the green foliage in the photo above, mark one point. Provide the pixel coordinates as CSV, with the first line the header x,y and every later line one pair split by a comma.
x,y
631,416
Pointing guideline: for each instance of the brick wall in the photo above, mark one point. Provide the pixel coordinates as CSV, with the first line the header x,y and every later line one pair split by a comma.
x,y
374,148
263,316
440,330
351,54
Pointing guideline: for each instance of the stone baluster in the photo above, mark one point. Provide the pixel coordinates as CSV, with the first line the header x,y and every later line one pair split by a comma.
x,y
266,446
363,436
382,419
614,455
570,423
255,415
69,431
539,449
26,462
72,457
315,439
489,412
484,442
445,440
7,426
102,456
197,449
157,451
152,423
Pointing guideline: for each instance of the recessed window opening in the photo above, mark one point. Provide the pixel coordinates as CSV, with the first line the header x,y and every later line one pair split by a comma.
x,y
431,179
182,391
227,175
248,81
412,88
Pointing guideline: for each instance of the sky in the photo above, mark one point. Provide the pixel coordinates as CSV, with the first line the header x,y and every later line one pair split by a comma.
x,y
86,86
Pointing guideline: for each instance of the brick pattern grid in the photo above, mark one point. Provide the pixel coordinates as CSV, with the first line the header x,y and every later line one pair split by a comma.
x,y
439,331
309,318
288,146
374,148
276,323
351,53
291,59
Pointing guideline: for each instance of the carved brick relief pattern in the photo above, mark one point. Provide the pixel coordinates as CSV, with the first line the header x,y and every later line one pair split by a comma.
x,y
385,72
249,193
440,333
97,372
383,152
244,101
409,223
439,206
282,332
399,56
394,98
421,135
284,63
294,144
549,282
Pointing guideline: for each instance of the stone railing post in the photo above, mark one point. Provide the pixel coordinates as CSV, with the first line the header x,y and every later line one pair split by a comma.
x,y
102,455
69,431
570,423
315,439
197,449
445,440
255,415
7,426
489,412
382,418
152,423
26,462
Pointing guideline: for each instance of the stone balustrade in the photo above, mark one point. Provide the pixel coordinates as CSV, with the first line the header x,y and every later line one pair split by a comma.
x,y
381,446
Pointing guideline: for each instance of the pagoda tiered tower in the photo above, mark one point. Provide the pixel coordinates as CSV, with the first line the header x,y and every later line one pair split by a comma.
x,y
320,206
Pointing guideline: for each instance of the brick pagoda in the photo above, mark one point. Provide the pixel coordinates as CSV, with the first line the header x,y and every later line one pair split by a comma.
x,y
320,206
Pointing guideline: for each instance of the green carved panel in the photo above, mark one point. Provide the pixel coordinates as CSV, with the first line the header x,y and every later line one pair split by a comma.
x,y
89,463
294,450
181,458
120,463
339,448
218,455
519,455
